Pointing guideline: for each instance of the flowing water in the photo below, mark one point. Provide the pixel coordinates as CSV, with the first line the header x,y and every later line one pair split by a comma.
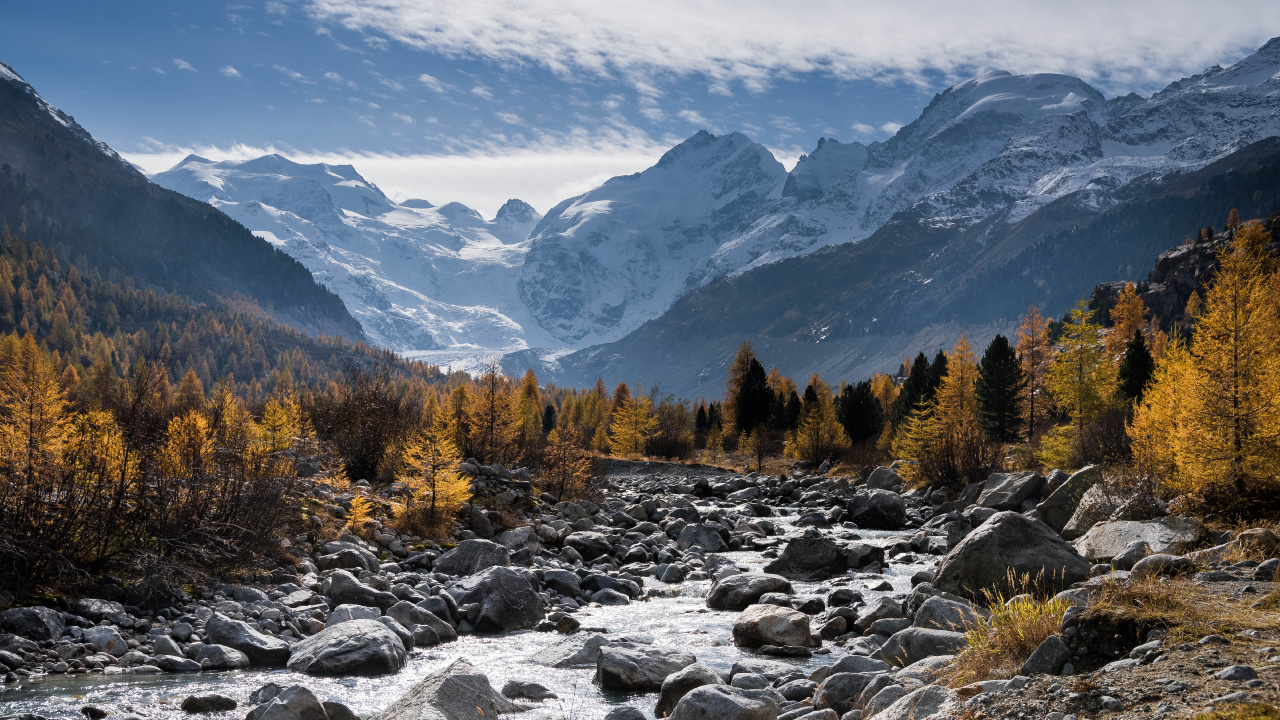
x,y
681,621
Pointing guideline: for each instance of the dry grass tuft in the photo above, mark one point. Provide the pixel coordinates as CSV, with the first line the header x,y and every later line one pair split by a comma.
x,y
998,645
1186,610
1243,711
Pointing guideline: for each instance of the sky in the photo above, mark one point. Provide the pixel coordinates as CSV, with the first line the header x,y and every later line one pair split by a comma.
x,y
485,100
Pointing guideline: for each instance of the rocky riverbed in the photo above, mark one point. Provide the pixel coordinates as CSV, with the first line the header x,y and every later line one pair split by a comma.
x,y
688,591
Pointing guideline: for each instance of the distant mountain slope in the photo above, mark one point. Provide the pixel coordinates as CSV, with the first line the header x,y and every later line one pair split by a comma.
x,y
128,223
418,277
850,310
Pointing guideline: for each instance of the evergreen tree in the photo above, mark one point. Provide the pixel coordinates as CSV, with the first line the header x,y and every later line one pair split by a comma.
x,y
793,411
944,437
700,419
937,371
911,395
860,412
999,387
549,419
1135,370
747,390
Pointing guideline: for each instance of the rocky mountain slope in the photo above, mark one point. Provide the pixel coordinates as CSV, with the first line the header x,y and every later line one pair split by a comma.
x,y
416,276
116,217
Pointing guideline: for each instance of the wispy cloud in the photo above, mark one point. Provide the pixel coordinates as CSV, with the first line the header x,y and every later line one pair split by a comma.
x,y
509,118
482,91
183,65
693,116
863,128
402,118
231,72
292,74
431,82
891,127
1137,45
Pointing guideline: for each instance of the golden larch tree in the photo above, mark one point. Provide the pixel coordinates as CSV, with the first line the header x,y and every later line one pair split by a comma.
x,y
566,467
437,491
34,416
1035,352
1082,377
1126,318
819,435
632,425
494,425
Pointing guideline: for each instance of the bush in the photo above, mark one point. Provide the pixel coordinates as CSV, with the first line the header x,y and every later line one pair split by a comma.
x,y
998,645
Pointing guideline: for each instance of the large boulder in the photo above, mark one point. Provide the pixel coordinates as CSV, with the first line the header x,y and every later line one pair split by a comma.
x,y
915,644
590,545
736,592
761,625
817,558
877,509
221,657
839,691
1106,540
33,623
507,600
634,666
707,535
1057,509
345,589
883,478
472,556
410,615
347,613
96,610
931,701
358,647
262,649
679,683
455,692
1007,491
1009,543
721,702
292,703
1096,505
105,639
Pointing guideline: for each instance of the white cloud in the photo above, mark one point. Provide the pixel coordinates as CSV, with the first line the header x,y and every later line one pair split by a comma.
x,y
183,65
509,118
482,91
650,110
230,72
693,116
483,178
891,127
431,82
402,118
333,77
863,129
785,124
292,74
1138,45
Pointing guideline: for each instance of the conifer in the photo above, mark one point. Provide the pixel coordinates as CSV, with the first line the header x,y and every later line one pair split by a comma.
x,y
1082,377
566,467
1000,389
632,426
34,414
860,412
1127,317
429,469
1136,369
1035,352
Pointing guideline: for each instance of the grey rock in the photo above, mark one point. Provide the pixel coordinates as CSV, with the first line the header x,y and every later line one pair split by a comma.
x,y
1009,541
630,666
771,625
1057,509
1008,491
1097,503
1161,564
877,509
344,588
169,663
221,657
932,701
736,592
860,664
706,535
817,558
771,669
625,712
33,623
914,644
96,610
721,702
165,645
400,631
1048,658
590,545
260,648
562,581
455,692
881,701
104,638
528,690
1106,540
579,650
750,681
938,613
358,647
1236,672
506,598
411,616
347,613
207,703
840,691
1132,553
798,690
292,703
678,684
883,478
472,556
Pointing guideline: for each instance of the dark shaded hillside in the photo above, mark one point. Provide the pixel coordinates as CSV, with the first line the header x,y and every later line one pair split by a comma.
x,y
59,184
850,310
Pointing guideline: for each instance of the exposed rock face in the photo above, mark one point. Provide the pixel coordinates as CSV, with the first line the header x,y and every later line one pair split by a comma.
x,y
877,509
1166,535
1007,491
1097,503
634,666
235,634
736,592
507,600
761,625
358,647
1009,542
472,556
455,692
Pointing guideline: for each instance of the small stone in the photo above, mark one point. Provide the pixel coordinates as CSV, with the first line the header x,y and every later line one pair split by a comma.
x,y
208,703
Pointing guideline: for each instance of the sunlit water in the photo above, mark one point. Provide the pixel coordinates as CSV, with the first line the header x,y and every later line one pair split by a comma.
x,y
682,622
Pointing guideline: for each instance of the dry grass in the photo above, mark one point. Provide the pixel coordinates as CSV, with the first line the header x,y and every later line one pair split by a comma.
x,y
1243,711
998,645
1186,610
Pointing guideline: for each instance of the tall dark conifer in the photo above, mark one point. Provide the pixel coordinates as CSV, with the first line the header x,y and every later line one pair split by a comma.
x,y
912,392
999,387
937,371
859,411
1136,368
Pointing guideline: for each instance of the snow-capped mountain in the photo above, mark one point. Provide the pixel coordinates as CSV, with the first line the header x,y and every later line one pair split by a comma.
x,y
417,277
604,262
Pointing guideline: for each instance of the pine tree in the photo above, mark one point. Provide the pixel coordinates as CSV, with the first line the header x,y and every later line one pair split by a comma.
x,y
945,437
190,393
860,412
792,410
633,424
1036,353
549,419
911,395
1136,369
883,387
1000,386
437,490
528,410
1082,377
1233,220
937,371
747,391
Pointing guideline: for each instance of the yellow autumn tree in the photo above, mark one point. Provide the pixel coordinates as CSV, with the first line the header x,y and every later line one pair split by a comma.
x,y
1035,352
1223,406
34,417
1082,379
885,391
632,425
189,446
1155,427
494,425
1126,318
944,439
566,467
819,435
528,412
437,491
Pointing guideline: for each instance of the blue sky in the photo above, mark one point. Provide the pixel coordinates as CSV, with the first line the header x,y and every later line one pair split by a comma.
x,y
480,101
